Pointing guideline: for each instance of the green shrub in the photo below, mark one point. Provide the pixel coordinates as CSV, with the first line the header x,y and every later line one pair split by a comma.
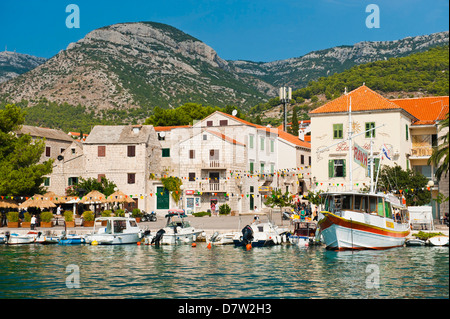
x,y
68,216
136,213
88,216
424,236
46,217
224,209
120,213
27,217
106,213
201,214
13,217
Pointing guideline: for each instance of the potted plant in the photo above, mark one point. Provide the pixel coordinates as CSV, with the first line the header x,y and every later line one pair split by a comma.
x,y
46,219
120,213
13,219
137,214
26,220
106,213
88,217
68,218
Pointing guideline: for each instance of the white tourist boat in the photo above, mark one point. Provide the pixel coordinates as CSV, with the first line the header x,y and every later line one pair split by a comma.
x,y
438,241
354,220
118,230
176,231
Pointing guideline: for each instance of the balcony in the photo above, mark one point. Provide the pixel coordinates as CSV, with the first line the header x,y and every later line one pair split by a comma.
x,y
421,151
211,187
213,164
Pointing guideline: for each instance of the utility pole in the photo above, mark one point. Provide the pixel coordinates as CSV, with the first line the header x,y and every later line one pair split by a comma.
x,y
285,98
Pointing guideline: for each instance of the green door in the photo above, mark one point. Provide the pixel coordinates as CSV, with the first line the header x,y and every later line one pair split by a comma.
x,y
162,198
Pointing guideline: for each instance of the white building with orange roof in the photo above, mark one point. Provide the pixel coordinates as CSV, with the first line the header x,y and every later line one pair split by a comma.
x,y
404,133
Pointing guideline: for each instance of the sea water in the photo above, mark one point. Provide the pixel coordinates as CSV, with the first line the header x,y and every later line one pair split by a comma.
x,y
286,271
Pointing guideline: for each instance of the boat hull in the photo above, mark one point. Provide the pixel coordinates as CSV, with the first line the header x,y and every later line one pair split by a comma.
x,y
119,239
255,243
179,238
438,241
343,234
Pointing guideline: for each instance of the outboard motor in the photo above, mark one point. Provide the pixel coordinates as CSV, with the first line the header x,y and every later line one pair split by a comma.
x,y
214,236
158,237
7,236
247,235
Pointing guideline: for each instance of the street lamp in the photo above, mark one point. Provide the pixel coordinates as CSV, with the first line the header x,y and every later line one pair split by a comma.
x,y
285,98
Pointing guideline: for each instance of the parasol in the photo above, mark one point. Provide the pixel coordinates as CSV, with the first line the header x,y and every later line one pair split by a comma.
x,y
119,197
37,201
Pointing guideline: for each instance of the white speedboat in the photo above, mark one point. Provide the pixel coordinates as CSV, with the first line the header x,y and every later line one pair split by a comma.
x,y
177,230
17,239
438,241
118,230
222,239
259,235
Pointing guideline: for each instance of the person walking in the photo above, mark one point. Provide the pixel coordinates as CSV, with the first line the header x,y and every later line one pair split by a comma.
x,y
33,222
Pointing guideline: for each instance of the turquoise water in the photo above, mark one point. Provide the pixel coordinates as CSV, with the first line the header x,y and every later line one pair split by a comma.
x,y
37,271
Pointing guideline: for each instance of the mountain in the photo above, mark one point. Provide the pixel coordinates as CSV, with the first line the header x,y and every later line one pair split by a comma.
x,y
142,65
298,72
13,64
129,65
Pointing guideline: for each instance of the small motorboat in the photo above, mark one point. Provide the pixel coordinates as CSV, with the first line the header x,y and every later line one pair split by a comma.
x,y
118,230
415,242
177,230
258,235
17,239
304,233
438,241
221,239
72,240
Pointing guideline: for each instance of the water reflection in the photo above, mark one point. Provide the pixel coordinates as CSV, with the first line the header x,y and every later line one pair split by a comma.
x,y
32,271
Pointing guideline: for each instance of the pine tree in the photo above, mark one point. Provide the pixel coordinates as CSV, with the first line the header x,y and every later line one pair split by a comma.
x,y
20,171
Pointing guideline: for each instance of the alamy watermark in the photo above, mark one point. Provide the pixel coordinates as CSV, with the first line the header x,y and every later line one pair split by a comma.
x,y
73,19
73,279
373,279
373,19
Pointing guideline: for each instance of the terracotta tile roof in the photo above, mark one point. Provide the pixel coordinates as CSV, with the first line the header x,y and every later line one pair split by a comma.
x,y
362,98
293,139
225,138
428,110
169,128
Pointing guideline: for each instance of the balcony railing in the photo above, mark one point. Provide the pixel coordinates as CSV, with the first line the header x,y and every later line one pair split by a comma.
x,y
213,164
422,151
213,187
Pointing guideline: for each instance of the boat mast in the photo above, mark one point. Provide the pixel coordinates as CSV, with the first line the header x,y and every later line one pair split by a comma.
x,y
371,162
350,151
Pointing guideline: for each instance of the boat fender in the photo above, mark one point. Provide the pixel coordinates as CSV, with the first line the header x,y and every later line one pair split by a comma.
x,y
94,243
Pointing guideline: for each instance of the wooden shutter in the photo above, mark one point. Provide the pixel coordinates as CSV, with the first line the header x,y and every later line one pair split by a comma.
x,y
330,168
101,151
344,170
131,151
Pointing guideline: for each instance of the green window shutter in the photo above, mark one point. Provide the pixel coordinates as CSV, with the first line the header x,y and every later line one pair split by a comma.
x,y
251,167
330,168
407,131
344,168
338,131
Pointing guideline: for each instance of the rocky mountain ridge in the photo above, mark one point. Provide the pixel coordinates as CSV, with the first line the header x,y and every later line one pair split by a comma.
x,y
148,64
12,64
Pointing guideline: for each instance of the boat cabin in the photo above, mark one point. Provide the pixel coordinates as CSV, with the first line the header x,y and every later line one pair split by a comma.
x,y
304,229
381,205
118,225
175,219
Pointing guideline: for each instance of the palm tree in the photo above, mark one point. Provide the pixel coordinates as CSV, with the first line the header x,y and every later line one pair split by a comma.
x,y
439,158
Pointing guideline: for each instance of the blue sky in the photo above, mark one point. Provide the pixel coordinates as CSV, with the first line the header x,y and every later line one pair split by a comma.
x,y
256,30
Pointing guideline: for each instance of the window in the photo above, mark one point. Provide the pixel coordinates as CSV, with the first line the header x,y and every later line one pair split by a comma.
x,y
223,122
166,152
191,154
336,168
272,168
73,150
192,177
272,146
309,161
338,130
100,176
302,159
251,140
101,151
48,151
205,137
262,143
72,181
251,167
209,123
131,152
62,150
370,125
262,168
46,181
131,178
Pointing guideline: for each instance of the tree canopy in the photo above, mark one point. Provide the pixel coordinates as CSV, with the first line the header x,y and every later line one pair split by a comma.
x,y
20,170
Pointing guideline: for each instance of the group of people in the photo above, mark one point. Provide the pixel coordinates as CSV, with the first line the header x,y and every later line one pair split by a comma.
x,y
304,210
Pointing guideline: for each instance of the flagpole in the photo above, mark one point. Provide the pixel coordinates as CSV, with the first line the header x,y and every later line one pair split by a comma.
x,y
350,160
